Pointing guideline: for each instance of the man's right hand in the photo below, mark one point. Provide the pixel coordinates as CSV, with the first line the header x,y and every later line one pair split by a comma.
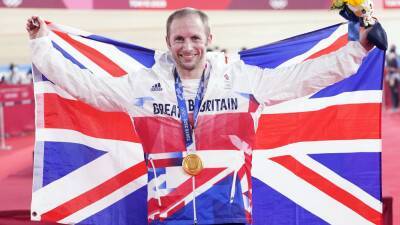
x,y
36,27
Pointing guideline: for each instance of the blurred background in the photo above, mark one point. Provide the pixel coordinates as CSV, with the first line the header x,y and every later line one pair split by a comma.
x,y
235,24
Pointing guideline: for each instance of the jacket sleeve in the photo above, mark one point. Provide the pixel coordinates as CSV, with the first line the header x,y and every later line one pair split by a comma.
x,y
272,86
99,90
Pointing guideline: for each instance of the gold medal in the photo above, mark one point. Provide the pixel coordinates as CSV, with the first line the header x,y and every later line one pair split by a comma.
x,y
192,164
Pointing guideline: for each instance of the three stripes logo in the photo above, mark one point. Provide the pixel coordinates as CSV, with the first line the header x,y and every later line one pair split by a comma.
x,y
156,87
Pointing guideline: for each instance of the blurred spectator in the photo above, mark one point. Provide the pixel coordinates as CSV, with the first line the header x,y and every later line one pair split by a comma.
x,y
28,78
2,78
12,77
393,76
25,78
16,76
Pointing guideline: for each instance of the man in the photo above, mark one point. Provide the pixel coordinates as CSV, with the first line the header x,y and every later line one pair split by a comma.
x,y
198,128
393,76
13,76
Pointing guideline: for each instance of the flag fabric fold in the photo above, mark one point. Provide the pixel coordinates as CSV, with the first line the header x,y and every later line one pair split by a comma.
x,y
316,159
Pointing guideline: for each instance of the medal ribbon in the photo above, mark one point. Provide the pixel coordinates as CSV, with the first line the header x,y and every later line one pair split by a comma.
x,y
187,128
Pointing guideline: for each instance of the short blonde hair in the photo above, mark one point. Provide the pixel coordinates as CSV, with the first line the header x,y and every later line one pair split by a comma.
x,y
185,12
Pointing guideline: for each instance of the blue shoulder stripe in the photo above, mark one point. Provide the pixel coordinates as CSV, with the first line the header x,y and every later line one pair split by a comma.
x,y
68,56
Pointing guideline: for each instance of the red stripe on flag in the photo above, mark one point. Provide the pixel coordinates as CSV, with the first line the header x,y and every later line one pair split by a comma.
x,y
97,57
329,188
341,122
340,42
162,163
215,131
96,193
75,115
212,132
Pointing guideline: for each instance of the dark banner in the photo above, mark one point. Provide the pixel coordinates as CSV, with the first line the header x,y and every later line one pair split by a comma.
x,y
168,4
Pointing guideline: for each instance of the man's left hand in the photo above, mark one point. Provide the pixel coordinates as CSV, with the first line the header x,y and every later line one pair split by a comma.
x,y
374,36
364,38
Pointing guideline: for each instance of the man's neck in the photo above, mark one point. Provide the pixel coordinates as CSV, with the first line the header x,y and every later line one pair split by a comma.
x,y
191,74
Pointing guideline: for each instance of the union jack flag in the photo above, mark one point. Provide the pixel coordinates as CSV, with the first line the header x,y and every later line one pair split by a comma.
x,y
316,159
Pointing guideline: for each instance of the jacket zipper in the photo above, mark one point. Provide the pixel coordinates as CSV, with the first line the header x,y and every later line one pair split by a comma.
x,y
194,200
233,187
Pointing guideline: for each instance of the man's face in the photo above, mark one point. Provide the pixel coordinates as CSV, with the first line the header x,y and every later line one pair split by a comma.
x,y
187,41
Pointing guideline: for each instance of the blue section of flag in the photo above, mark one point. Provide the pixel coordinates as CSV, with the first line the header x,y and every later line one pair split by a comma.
x,y
272,55
68,56
354,30
367,77
143,55
361,169
130,210
218,208
37,73
45,79
272,208
61,158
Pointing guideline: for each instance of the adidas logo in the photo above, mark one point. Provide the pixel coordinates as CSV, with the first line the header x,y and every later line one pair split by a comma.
x,y
156,87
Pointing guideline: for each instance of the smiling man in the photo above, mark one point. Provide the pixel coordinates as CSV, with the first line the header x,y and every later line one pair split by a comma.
x,y
188,36
197,127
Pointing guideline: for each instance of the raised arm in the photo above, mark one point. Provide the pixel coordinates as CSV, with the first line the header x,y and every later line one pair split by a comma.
x,y
102,92
272,86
